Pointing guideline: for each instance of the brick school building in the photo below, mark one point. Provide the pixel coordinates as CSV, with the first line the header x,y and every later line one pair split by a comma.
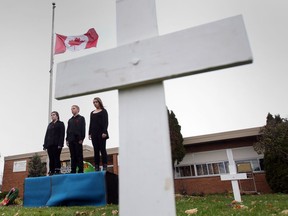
x,y
198,173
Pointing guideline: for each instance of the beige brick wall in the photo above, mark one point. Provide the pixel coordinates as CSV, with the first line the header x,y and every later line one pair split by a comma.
x,y
13,179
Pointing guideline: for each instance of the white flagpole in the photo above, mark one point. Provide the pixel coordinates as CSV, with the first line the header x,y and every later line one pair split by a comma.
x,y
51,75
51,65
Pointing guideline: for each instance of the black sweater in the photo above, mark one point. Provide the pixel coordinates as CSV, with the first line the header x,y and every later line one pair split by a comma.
x,y
76,128
98,124
54,134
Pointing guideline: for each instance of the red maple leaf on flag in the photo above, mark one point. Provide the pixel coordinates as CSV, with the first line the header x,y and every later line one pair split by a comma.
x,y
76,42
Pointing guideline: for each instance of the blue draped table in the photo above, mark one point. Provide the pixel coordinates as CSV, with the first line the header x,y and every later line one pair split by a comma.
x,y
83,189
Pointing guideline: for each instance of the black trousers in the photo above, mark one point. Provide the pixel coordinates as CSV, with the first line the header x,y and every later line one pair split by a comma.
x,y
99,145
54,158
76,154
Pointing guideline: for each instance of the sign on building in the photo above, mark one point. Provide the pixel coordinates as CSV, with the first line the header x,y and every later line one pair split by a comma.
x,y
19,166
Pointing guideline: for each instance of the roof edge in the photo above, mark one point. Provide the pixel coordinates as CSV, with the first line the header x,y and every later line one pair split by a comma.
x,y
222,136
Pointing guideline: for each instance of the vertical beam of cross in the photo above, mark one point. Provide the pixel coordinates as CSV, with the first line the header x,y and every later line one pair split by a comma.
x,y
146,180
232,170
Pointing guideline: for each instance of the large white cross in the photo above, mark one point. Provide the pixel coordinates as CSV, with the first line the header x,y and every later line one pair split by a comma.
x,y
137,68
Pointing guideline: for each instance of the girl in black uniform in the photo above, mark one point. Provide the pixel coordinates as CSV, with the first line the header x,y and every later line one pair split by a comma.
x,y
53,142
98,133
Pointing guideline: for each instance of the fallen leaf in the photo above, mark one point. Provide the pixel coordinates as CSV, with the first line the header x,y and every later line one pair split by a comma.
x,y
78,213
191,211
243,207
114,212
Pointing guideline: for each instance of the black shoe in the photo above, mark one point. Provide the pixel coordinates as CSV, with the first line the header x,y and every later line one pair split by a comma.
x,y
104,167
97,168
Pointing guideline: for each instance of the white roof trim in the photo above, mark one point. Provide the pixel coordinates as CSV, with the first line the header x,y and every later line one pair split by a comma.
x,y
222,136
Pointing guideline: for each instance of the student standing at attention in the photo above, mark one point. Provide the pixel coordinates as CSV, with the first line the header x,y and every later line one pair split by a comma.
x,y
53,142
98,133
74,139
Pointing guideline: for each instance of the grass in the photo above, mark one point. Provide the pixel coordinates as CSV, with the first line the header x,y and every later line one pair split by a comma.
x,y
107,210
270,204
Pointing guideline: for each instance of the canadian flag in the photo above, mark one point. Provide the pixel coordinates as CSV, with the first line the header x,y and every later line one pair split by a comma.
x,y
75,43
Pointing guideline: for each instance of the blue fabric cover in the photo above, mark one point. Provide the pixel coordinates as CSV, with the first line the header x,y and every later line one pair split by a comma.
x,y
78,190
81,189
36,191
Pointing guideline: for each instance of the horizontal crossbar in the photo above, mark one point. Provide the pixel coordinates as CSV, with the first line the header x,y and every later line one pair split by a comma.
x,y
208,47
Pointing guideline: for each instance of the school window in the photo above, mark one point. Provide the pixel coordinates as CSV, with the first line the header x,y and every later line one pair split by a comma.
x,y
216,168
184,171
257,165
206,169
212,168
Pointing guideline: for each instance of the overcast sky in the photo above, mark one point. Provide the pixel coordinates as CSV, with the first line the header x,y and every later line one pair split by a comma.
x,y
224,100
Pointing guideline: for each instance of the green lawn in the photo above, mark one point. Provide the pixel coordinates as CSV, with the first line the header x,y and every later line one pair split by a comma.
x,y
270,204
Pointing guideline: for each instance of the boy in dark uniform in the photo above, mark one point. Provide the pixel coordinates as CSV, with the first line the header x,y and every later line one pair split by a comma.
x,y
74,139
